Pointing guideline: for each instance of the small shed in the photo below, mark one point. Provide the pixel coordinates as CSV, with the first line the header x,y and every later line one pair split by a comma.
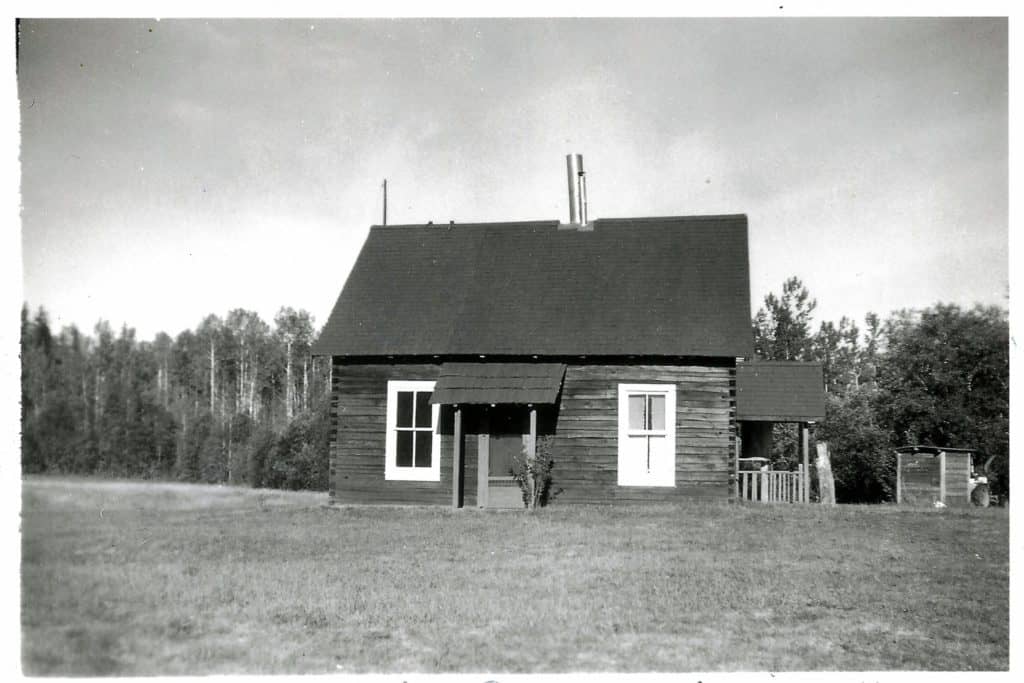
x,y
926,475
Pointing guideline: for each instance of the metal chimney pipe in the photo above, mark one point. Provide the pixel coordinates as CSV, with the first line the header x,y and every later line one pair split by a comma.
x,y
583,195
574,172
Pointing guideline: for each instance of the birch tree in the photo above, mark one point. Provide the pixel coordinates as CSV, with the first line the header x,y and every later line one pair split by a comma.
x,y
294,330
210,331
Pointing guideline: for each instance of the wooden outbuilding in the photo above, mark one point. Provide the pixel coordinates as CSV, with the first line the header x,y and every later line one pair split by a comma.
x,y
926,475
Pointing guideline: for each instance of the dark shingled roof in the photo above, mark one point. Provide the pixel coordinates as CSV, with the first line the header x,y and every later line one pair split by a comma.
x,y
780,391
644,286
498,383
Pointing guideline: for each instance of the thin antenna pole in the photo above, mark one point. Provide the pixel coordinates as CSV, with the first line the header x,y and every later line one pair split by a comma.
x,y
385,186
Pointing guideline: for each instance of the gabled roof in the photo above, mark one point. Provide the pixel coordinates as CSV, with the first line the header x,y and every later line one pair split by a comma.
x,y
646,286
780,391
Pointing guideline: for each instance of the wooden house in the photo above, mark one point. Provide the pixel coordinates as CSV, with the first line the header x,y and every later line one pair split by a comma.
x,y
612,346
455,344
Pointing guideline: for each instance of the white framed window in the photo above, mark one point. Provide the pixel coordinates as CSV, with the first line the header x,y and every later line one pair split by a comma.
x,y
647,435
412,447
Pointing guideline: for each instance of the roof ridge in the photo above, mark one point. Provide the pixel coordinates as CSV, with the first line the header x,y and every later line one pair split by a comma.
x,y
456,224
556,222
668,219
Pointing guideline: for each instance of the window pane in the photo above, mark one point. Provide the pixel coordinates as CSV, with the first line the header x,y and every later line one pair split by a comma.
x,y
403,449
424,442
657,412
404,418
637,415
423,409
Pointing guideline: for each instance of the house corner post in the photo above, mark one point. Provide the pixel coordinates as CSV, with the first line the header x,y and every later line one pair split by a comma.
x,y
483,459
804,451
457,458
736,461
531,457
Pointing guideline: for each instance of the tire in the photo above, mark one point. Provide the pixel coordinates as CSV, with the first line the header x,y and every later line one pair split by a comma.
x,y
980,496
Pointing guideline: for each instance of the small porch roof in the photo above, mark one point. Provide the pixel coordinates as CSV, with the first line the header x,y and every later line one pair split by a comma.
x,y
493,383
780,391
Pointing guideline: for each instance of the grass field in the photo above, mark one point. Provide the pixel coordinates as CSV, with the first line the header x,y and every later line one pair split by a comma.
x,y
135,578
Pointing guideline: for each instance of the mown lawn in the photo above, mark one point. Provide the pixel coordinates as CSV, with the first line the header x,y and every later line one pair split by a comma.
x,y
133,578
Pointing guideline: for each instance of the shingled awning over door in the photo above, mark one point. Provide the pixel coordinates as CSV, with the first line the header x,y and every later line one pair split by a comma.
x,y
493,383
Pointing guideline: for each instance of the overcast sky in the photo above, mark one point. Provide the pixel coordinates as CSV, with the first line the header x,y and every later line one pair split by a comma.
x,y
172,169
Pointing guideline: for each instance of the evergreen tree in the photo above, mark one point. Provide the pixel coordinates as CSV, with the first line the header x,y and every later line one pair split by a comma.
x,y
782,327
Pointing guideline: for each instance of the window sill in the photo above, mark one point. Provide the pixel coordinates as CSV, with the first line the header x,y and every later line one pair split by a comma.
x,y
411,474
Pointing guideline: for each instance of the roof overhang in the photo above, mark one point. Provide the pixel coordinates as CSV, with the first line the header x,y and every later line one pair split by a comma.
x,y
780,391
934,450
494,383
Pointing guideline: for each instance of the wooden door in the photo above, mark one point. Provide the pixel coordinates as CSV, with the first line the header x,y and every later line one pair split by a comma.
x,y
508,429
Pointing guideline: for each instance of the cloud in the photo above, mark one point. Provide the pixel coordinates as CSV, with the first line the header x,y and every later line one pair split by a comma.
x,y
867,153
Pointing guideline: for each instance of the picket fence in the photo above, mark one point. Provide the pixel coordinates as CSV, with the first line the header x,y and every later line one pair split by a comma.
x,y
774,486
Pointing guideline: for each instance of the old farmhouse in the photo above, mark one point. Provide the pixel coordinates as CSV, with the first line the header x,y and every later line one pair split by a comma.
x,y
612,346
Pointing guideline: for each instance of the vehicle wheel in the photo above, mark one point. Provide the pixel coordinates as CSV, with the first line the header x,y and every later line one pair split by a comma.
x,y
980,496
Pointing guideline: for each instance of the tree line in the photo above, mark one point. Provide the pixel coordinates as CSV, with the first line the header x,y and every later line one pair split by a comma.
x,y
241,401
236,400
939,376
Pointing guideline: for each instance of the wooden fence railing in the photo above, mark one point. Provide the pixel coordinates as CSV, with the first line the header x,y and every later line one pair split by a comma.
x,y
774,487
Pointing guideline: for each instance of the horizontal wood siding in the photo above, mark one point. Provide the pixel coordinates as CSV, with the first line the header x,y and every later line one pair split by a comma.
x,y
585,447
358,422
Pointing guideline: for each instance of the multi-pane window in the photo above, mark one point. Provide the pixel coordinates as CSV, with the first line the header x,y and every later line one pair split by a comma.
x,y
414,428
646,413
412,444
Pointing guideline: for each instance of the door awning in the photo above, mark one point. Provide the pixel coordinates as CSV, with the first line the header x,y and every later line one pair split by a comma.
x,y
498,383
